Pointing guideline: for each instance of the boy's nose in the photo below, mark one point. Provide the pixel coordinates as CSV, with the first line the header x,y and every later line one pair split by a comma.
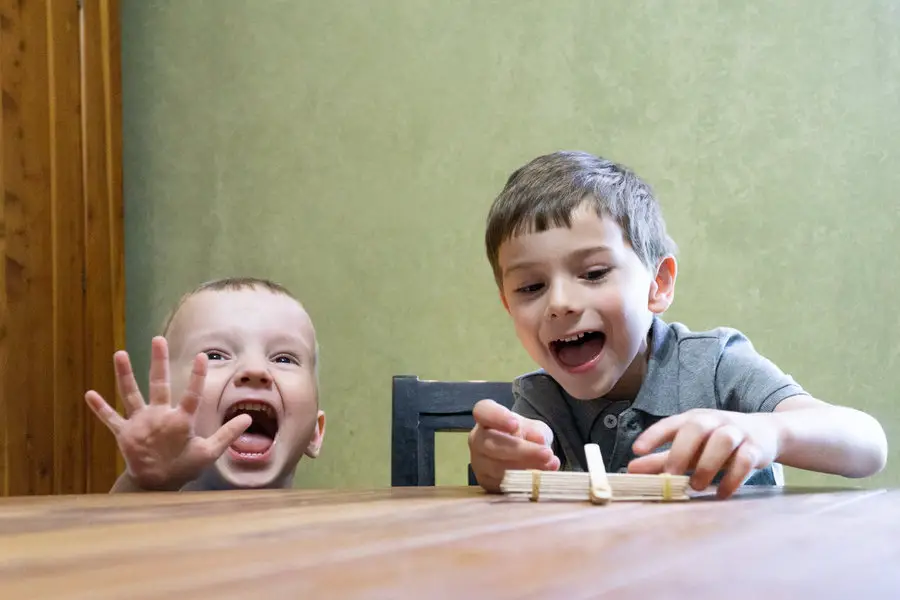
x,y
254,377
561,301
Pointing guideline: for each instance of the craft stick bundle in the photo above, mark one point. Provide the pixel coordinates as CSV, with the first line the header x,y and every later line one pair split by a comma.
x,y
595,486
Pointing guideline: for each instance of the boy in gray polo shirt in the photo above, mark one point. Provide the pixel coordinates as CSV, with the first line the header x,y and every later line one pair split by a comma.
x,y
585,267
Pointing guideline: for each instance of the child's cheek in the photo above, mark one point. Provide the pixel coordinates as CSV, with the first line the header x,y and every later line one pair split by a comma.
x,y
300,400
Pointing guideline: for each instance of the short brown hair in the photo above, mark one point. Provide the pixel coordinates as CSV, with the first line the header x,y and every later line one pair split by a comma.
x,y
544,193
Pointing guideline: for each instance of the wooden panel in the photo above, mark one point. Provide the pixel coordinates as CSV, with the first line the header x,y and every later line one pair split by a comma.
x,y
104,272
70,412
59,76
448,543
28,378
4,308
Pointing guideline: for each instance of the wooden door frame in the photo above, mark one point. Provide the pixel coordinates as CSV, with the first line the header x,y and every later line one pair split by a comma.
x,y
61,242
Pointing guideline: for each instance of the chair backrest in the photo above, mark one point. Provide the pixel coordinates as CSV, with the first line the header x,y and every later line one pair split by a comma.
x,y
422,407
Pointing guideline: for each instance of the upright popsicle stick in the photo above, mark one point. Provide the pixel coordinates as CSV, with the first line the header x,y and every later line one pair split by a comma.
x,y
600,490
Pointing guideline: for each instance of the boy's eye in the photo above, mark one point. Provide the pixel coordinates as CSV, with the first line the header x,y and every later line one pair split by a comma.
x,y
530,289
286,359
214,355
596,274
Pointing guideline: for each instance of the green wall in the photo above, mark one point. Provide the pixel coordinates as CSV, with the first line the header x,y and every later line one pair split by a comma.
x,y
351,151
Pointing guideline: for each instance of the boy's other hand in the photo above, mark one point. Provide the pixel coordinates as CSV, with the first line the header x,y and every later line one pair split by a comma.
x,y
503,440
708,441
157,440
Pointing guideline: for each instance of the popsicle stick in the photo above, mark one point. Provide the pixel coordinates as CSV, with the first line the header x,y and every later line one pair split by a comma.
x,y
600,490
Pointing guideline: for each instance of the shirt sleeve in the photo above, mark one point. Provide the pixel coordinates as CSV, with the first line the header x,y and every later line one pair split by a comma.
x,y
748,382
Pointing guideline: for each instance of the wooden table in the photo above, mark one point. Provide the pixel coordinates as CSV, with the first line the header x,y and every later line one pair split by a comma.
x,y
448,543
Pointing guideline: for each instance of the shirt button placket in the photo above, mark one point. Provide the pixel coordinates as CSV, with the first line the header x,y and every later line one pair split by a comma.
x,y
626,425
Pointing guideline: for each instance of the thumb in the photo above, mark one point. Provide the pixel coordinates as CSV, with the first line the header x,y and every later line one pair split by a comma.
x,y
227,434
492,415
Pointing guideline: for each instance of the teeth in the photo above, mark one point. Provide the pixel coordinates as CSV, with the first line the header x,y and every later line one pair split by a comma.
x,y
572,338
255,406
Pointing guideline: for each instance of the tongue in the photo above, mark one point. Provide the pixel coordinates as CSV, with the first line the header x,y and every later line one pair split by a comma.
x,y
252,443
575,355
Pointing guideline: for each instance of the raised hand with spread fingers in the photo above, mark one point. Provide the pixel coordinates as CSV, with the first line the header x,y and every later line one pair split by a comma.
x,y
157,439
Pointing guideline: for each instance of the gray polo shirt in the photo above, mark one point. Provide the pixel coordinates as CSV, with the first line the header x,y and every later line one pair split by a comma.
x,y
716,369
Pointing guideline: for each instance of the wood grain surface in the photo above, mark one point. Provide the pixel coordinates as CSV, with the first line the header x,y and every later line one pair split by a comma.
x,y
449,543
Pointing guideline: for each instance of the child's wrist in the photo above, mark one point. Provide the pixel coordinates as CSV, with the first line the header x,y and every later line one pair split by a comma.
x,y
783,434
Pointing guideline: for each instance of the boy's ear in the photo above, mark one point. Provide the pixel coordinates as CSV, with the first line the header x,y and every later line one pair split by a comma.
x,y
662,288
315,444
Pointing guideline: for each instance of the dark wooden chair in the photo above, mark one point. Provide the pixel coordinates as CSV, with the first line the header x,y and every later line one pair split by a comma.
x,y
421,408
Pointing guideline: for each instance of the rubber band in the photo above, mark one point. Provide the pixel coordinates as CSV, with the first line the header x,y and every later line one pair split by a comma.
x,y
667,487
535,485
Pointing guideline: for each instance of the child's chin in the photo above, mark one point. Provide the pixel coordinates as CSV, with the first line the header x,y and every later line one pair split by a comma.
x,y
240,476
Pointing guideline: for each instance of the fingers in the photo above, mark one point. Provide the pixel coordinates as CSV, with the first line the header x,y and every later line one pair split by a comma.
x,y
706,441
551,465
104,411
718,450
494,452
490,473
126,384
503,440
659,433
739,463
537,432
194,392
491,415
227,434
651,464
159,371
510,449
688,433
686,448
742,463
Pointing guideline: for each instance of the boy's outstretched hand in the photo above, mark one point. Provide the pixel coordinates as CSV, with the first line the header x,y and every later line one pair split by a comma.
x,y
708,441
503,440
157,440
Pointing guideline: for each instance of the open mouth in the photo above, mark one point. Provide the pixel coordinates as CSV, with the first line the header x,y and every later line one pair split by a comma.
x,y
258,439
579,350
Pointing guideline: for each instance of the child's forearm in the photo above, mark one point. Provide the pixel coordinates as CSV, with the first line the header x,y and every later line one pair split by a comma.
x,y
830,439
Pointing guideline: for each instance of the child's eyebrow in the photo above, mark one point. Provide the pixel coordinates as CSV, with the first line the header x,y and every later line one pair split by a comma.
x,y
209,335
287,338
579,254
589,251
520,266
230,335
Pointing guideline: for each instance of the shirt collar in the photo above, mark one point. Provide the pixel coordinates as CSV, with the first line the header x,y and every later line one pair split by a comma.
x,y
658,395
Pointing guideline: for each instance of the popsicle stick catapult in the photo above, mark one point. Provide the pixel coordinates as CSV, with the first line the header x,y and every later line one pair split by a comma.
x,y
595,485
